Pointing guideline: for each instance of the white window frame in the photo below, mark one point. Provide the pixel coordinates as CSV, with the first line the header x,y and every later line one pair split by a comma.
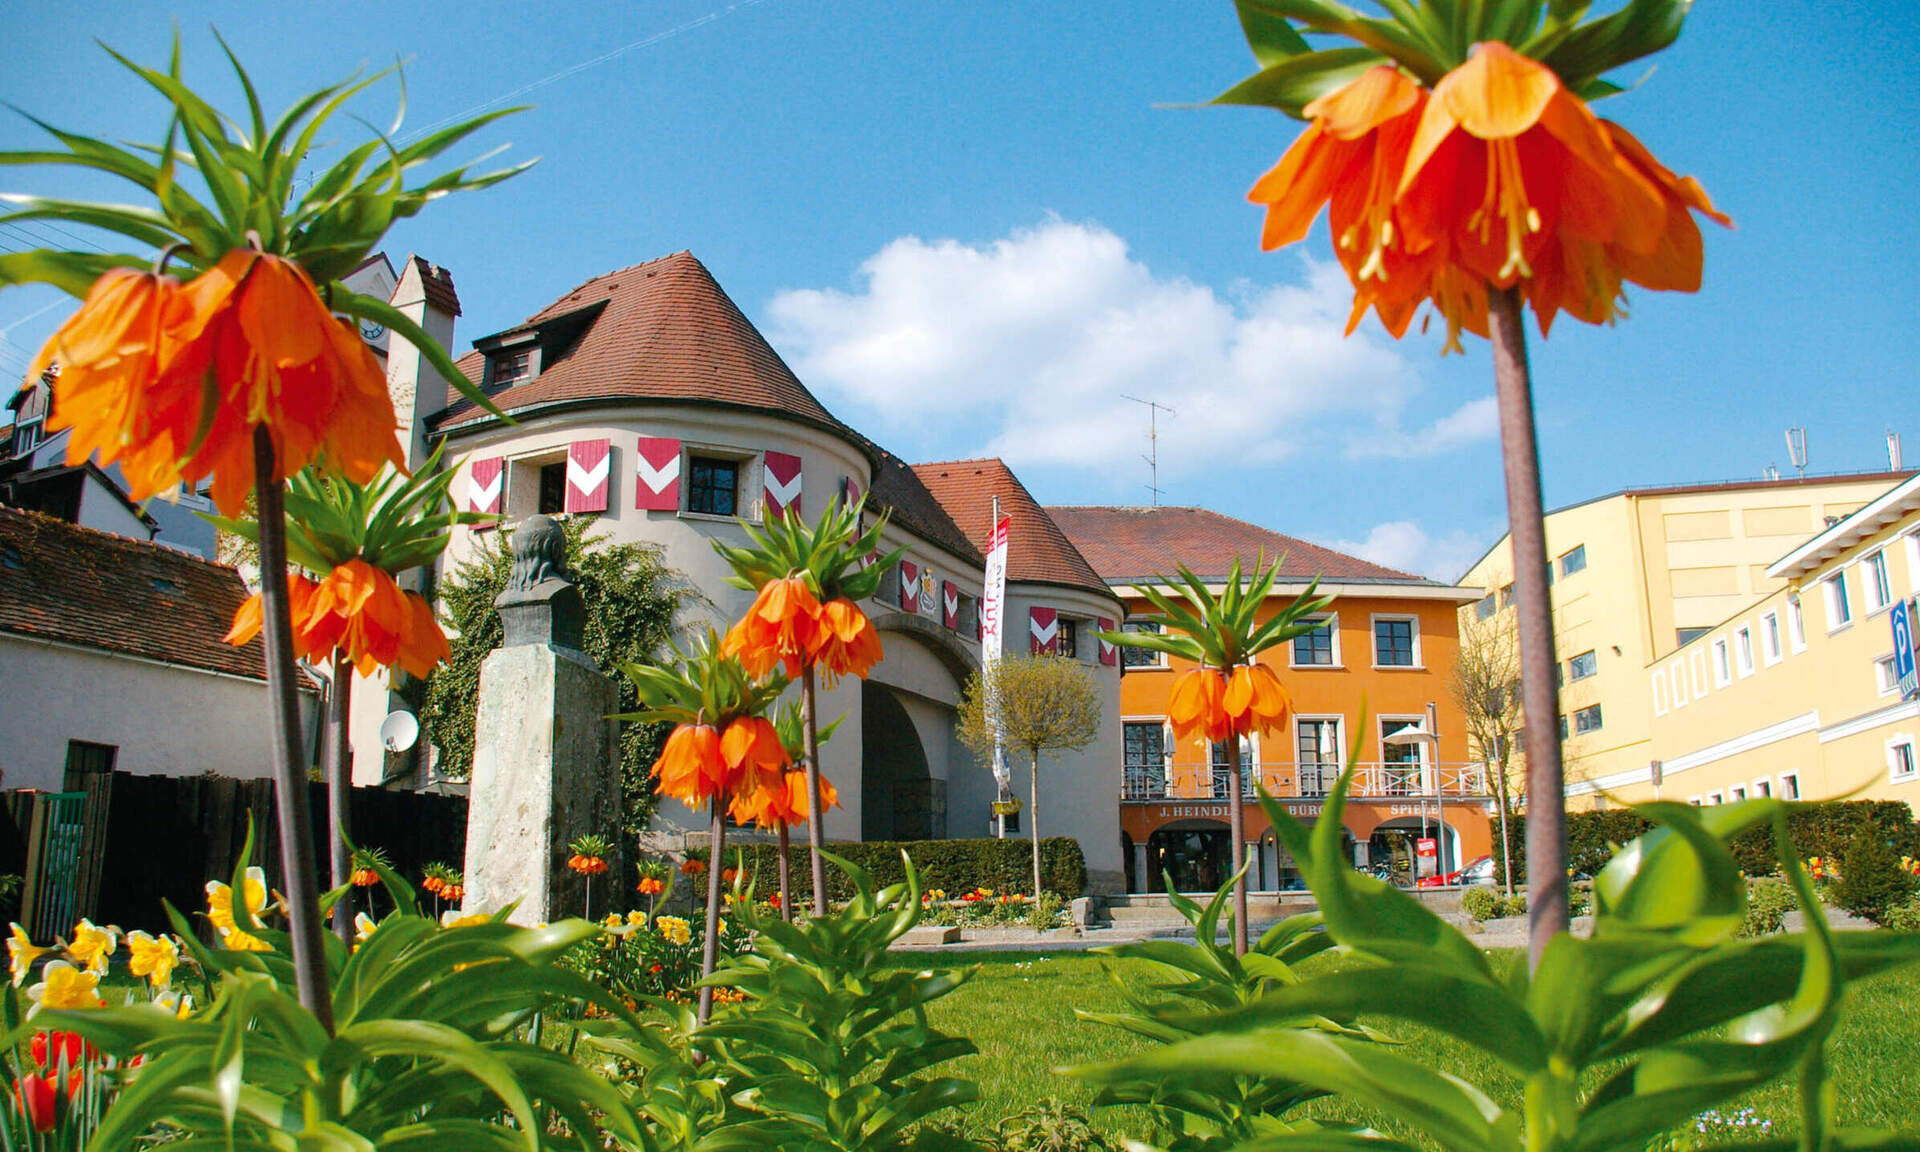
x,y
1339,722
1660,692
1763,789
1770,651
1876,583
1373,642
1332,621
1895,742
1677,674
1796,625
1695,800
1380,736
1885,679
1839,612
1722,663
750,487
1697,665
1736,793
1590,675
1715,798
1743,651
1913,561
1789,785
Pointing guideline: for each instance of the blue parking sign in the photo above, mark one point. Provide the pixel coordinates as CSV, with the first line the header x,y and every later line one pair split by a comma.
x,y
1903,663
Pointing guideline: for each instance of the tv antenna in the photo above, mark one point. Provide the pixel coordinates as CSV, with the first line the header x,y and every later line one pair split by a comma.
x,y
1154,408
1797,448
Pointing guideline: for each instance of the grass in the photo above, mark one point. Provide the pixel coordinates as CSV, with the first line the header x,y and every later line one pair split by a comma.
x,y
1019,1011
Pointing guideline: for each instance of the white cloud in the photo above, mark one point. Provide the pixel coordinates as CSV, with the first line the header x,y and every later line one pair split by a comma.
x,y
1404,545
1471,423
1025,347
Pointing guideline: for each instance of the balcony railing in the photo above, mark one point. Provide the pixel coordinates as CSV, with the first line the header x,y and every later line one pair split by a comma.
x,y
1196,780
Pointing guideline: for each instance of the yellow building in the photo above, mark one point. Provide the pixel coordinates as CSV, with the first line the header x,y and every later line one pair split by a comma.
x,y
1795,695
1637,574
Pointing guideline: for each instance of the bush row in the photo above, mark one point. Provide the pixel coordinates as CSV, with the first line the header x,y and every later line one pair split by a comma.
x,y
1825,828
958,866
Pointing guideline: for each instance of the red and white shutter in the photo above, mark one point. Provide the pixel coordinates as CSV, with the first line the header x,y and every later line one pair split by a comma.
x,y
656,469
909,586
588,462
782,484
850,491
1043,630
487,484
950,605
1109,653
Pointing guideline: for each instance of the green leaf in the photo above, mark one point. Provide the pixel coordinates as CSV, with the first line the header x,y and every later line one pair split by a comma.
x,y
1296,81
1271,37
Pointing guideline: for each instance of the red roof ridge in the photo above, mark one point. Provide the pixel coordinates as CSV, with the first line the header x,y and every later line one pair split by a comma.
x,y
1040,552
1130,543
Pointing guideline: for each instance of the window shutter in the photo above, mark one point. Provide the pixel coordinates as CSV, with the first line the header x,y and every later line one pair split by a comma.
x,y
1109,653
850,492
656,467
1043,630
782,475
486,484
909,586
950,605
588,462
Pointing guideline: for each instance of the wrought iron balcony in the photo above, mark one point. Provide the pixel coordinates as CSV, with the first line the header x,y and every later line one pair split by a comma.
x,y
1197,780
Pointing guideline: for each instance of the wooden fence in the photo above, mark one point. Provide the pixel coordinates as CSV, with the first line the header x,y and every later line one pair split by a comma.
x,y
148,839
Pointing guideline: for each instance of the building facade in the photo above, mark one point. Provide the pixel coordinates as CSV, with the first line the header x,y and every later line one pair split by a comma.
x,y
1380,664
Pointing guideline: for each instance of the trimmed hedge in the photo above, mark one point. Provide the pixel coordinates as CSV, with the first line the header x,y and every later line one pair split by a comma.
x,y
958,866
1824,828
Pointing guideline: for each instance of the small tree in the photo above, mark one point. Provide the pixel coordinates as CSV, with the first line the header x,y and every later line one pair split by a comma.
x,y
631,598
1044,704
1871,879
1486,687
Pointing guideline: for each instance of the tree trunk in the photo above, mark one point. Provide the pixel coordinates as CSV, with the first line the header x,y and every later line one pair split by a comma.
x,y
339,791
710,936
1237,822
1539,694
816,840
1033,820
786,878
289,762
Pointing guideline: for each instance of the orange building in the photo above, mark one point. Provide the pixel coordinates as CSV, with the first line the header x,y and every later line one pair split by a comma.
x,y
1380,664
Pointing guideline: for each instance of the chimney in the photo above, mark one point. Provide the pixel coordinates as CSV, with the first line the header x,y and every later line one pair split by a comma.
x,y
425,295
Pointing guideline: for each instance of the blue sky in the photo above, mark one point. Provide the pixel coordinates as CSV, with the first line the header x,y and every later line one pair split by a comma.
x,y
974,225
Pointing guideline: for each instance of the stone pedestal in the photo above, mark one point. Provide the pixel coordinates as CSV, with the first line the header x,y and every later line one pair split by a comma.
x,y
545,757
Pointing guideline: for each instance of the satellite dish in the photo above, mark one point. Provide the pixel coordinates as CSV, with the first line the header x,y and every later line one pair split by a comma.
x,y
398,731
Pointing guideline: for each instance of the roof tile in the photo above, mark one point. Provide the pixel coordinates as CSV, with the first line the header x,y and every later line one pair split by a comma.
x,y
1136,545
1037,550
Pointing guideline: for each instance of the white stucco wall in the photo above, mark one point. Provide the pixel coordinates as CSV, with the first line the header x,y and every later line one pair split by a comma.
x,y
164,719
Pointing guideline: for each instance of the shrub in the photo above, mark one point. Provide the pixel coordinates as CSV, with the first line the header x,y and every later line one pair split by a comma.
x,y
1048,1126
1045,912
1482,904
1768,902
953,865
1871,879
1904,917
1514,905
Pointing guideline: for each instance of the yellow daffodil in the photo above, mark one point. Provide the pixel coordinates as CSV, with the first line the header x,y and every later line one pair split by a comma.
x,y
673,928
636,919
454,918
614,920
153,957
178,1003
220,899
64,986
92,945
363,926
21,953
234,940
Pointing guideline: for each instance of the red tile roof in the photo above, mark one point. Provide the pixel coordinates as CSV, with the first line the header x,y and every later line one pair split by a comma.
x,y
1135,545
667,332
62,582
437,283
1037,550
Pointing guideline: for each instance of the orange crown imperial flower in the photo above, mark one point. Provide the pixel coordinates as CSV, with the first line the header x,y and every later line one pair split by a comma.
x,y
783,627
847,642
1255,699
359,610
782,801
1196,706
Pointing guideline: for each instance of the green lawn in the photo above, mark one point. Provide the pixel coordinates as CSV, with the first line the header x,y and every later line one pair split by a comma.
x,y
1018,1009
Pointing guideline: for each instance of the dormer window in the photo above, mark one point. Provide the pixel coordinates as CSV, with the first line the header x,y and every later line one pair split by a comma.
x,y
512,367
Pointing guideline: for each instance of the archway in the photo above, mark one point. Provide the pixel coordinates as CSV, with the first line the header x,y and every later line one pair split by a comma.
x,y
1197,854
1392,849
896,786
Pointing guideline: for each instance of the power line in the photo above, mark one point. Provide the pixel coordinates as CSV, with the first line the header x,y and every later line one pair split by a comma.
x,y
49,226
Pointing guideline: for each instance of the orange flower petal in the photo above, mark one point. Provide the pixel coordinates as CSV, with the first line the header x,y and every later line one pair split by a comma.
x,y
1497,93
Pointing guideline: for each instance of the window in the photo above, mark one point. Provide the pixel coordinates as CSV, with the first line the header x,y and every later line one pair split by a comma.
x,y
1068,644
1400,763
553,488
1743,650
86,759
1714,798
1659,694
511,367
1796,624
1884,677
713,487
1395,642
1145,776
1574,561
1583,666
1900,759
1319,755
1317,648
1789,785
25,435
1141,657
1563,727
1679,674
1770,637
1873,572
1736,794
1686,636
1222,774
1722,664
1839,614
1506,596
1486,607
1587,719
1763,788
1698,664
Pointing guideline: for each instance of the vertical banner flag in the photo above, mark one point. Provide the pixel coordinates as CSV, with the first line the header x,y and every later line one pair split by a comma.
x,y
656,469
993,613
1109,654
950,605
909,586
588,462
783,484
486,483
1043,627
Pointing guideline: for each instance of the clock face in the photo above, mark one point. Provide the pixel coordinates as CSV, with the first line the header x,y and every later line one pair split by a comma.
x,y
371,332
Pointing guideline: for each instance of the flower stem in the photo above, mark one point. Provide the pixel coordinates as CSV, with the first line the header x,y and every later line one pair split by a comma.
x,y
339,790
1539,694
816,840
1237,829
786,877
710,942
289,765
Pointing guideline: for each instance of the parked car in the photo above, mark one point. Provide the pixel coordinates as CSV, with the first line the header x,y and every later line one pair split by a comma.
x,y
1476,872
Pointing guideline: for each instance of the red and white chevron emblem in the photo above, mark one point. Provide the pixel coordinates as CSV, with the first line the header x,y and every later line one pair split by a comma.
x,y
588,462
949,605
656,469
486,482
1043,630
909,586
1109,653
782,484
